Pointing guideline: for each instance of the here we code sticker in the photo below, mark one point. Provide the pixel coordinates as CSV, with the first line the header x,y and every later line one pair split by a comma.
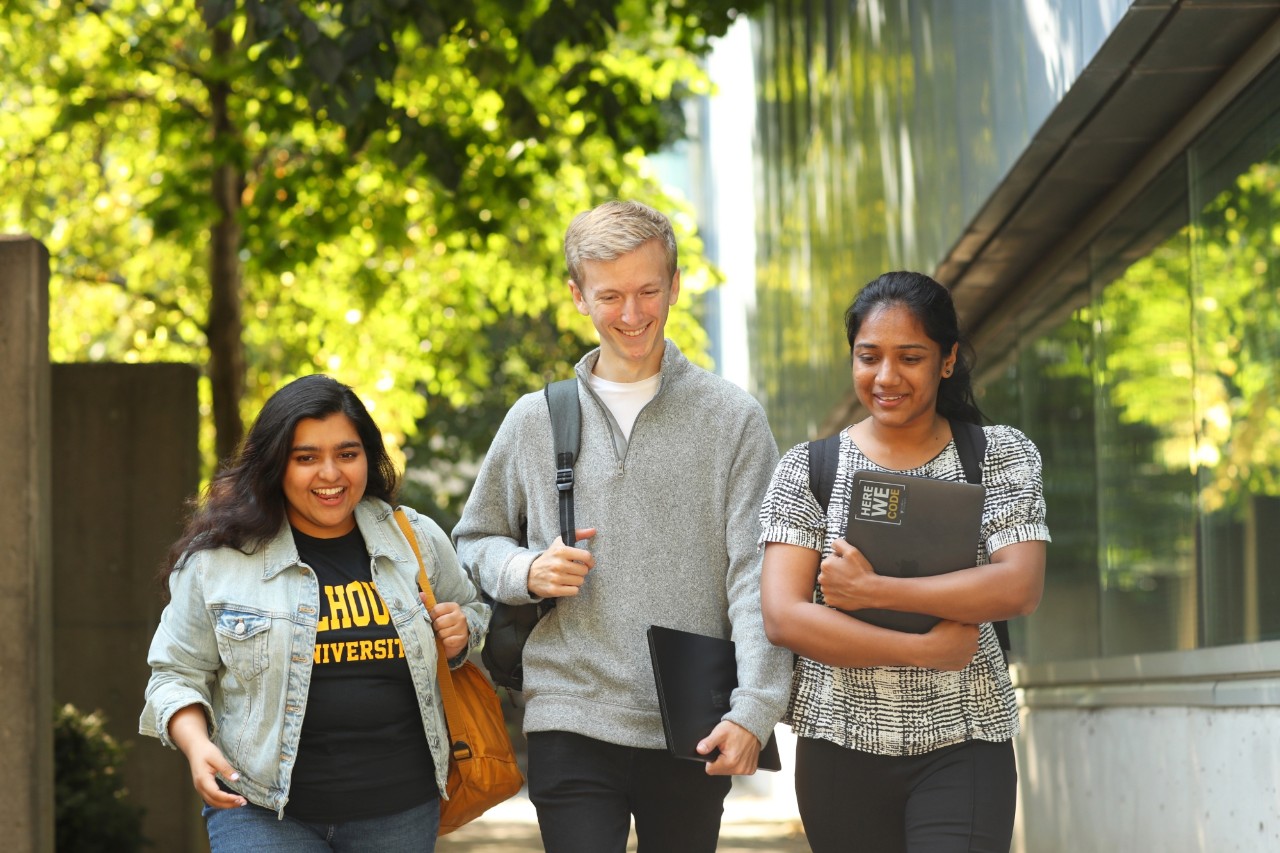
x,y
880,502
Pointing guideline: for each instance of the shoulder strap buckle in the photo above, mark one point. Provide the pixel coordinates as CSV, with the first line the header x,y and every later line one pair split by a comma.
x,y
566,426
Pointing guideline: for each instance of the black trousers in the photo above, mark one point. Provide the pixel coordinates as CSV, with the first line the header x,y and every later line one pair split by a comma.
x,y
586,792
956,799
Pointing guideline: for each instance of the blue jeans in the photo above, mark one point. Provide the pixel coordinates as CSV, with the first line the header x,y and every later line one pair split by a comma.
x,y
254,828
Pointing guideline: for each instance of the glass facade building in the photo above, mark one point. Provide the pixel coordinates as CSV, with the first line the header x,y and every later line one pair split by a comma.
x,y
1155,402
882,129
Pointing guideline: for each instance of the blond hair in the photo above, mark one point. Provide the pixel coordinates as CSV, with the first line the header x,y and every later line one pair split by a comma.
x,y
611,230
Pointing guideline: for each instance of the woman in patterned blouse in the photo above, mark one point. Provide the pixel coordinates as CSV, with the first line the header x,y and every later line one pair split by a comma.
x,y
904,740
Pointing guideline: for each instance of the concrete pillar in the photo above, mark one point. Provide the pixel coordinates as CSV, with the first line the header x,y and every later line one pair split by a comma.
x,y
125,460
26,710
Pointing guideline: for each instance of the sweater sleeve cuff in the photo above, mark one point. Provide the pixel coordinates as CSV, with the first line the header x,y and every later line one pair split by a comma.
x,y
754,717
513,585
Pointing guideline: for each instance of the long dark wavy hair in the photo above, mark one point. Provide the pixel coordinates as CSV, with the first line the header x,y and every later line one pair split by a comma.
x,y
930,303
244,505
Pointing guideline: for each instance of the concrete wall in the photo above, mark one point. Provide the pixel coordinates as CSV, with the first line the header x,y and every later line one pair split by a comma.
x,y
125,458
26,714
1170,751
1150,778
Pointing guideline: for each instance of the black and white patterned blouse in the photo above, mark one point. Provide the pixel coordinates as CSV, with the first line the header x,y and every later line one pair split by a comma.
x,y
907,710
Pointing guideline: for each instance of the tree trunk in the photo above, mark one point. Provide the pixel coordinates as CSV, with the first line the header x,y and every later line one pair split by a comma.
x,y
226,346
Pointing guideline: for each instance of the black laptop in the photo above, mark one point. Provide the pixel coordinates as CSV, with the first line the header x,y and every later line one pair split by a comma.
x,y
911,527
695,676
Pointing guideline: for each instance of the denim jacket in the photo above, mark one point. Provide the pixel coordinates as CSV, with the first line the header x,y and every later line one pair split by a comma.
x,y
238,638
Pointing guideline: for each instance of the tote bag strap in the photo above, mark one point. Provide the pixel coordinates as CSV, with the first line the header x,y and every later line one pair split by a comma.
x,y
453,714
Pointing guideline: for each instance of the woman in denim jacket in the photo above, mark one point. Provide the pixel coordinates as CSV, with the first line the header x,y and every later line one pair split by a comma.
x,y
294,665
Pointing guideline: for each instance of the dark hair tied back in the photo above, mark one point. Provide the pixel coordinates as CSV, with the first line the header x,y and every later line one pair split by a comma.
x,y
930,303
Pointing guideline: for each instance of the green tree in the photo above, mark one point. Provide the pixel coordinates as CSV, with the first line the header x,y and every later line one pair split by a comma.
x,y
373,188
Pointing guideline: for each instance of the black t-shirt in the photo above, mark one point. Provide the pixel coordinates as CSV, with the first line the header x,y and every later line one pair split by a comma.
x,y
362,752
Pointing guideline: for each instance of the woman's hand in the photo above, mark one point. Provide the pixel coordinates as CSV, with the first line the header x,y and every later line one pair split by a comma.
x,y
450,625
190,731
848,581
949,646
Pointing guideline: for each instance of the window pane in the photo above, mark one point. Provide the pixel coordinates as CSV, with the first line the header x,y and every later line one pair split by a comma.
x,y
1236,193
1047,391
1144,423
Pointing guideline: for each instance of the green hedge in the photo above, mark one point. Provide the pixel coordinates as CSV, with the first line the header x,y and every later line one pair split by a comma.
x,y
92,811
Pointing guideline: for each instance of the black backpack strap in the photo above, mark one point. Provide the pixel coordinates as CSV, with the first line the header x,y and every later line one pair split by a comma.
x,y
1002,634
971,444
566,431
824,458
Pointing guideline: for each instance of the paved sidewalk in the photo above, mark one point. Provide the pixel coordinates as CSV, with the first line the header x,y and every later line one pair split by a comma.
x,y
751,825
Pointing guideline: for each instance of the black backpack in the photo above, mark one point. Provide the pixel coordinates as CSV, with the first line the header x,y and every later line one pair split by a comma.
x,y
511,624
971,443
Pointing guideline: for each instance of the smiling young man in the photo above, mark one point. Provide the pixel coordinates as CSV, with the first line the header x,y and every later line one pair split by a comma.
x,y
671,469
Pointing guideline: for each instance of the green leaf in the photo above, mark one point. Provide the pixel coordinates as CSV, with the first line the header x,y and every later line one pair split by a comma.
x,y
324,58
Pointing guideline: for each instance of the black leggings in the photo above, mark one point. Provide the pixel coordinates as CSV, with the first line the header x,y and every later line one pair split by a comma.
x,y
956,799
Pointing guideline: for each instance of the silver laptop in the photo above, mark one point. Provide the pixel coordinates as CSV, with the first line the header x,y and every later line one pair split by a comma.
x,y
911,527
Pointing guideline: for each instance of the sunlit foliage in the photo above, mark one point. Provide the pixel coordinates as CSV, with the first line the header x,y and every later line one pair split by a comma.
x,y
401,176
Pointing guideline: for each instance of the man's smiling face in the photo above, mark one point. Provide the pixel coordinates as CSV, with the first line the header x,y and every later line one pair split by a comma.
x,y
628,300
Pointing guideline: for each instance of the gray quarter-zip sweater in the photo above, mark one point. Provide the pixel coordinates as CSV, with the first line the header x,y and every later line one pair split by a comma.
x,y
676,545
